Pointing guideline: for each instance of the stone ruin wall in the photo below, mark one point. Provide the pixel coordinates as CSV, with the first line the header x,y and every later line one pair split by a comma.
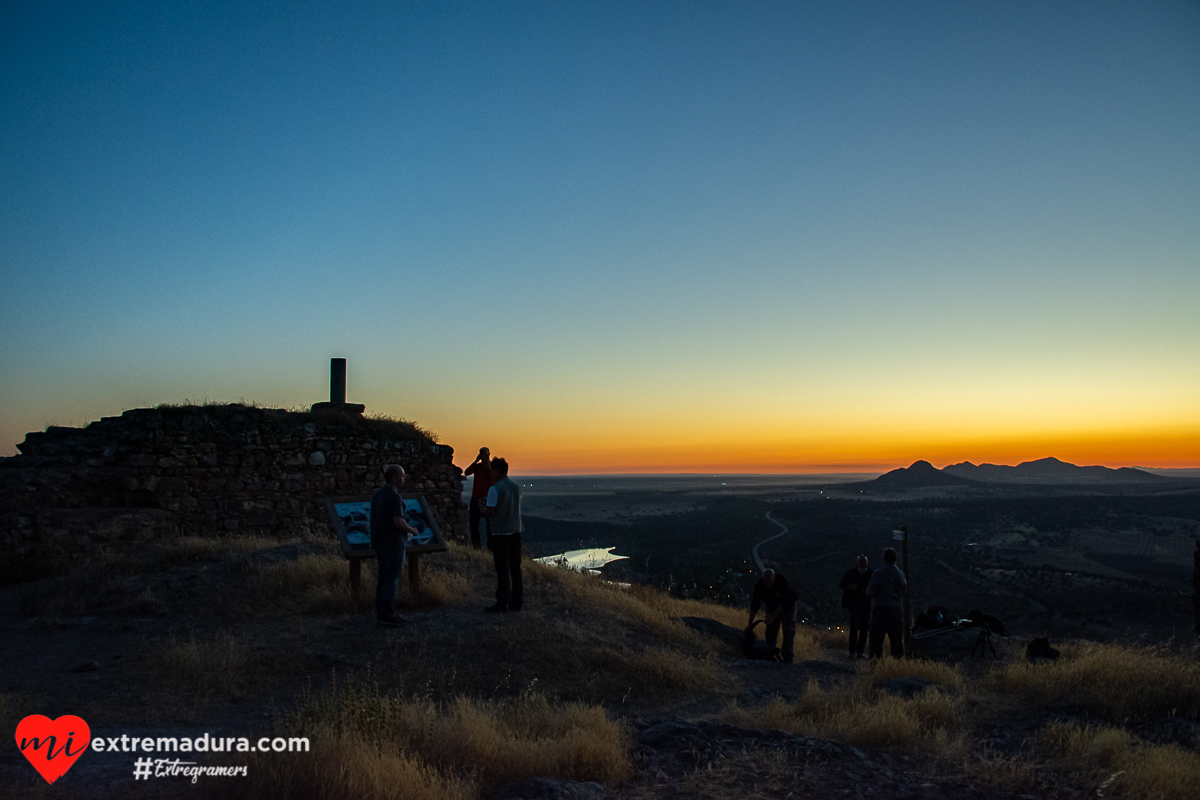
x,y
224,470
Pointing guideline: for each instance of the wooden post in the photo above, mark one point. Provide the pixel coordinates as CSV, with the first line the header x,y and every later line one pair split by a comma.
x,y
355,576
414,575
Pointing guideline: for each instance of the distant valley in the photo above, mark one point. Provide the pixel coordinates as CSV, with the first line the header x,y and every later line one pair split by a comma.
x,y
1048,546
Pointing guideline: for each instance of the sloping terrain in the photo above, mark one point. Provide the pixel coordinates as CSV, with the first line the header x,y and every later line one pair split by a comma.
x,y
593,690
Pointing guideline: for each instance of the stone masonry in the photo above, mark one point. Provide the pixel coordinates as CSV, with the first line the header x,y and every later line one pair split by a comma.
x,y
209,470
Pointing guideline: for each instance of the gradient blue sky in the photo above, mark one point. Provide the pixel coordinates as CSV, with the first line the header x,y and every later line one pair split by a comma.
x,y
610,237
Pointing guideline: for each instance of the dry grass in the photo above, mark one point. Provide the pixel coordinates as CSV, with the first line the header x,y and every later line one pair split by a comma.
x,y
305,578
641,605
205,666
81,590
942,674
347,766
326,587
653,608
101,579
670,669
210,548
376,424
829,638
370,744
856,714
1120,682
144,603
1008,772
1121,765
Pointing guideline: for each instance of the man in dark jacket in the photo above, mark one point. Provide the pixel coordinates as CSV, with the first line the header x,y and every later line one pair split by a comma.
x,y
773,592
854,599
389,536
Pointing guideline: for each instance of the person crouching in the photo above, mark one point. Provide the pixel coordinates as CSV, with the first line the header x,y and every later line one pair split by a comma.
x,y
773,591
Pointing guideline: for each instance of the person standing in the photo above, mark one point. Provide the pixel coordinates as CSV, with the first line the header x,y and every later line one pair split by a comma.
x,y
773,592
389,537
854,599
886,590
481,468
503,509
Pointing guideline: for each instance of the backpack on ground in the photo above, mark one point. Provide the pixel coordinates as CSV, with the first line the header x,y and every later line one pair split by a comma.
x,y
1040,648
755,648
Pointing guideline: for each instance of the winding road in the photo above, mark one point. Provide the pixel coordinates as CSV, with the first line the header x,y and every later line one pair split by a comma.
x,y
754,552
758,562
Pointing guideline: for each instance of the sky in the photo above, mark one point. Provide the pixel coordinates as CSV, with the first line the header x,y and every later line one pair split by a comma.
x,y
616,237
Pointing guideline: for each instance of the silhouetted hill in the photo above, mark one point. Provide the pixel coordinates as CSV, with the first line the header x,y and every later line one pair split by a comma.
x,y
1048,470
920,475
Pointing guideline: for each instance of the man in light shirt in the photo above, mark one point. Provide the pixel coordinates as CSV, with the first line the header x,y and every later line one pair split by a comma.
x,y
503,509
886,590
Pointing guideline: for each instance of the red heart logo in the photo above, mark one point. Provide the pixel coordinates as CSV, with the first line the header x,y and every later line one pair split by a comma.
x,y
53,745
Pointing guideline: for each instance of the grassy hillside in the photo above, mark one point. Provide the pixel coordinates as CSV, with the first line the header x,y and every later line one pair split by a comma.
x,y
254,637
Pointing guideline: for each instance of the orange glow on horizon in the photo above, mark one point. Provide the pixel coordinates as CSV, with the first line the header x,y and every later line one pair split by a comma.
x,y
1179,450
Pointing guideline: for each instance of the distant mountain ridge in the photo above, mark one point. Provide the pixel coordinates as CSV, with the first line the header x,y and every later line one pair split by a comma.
x,y
1048,470
922,474
919,475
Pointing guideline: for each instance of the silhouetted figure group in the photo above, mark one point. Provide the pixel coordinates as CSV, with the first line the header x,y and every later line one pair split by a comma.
x,y
495,510
873,598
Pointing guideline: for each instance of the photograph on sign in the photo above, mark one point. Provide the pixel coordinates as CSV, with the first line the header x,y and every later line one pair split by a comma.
x,y
415,516
356,519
